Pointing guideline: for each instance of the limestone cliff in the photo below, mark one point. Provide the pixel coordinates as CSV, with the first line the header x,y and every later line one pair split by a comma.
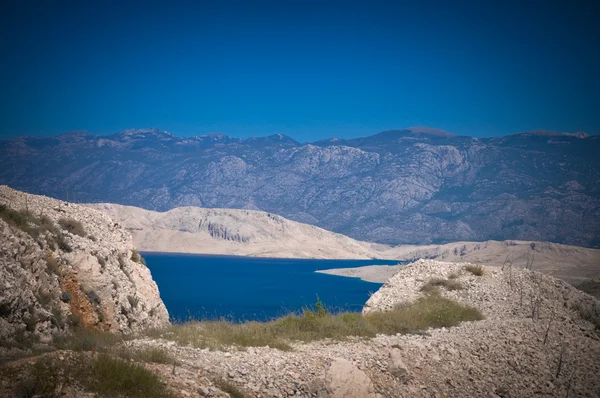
x,y
64,265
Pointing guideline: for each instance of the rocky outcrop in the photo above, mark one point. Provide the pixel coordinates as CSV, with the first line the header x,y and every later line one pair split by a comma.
x,y
64,265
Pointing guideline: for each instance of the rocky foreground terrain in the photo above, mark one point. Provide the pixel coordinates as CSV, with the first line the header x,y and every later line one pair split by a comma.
x,y
539,337
63,266
529,335
411,186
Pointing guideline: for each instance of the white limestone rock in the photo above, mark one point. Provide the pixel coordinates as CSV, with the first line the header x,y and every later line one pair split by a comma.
x,y
53,279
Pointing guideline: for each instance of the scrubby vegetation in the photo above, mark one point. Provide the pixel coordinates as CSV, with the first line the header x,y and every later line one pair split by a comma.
x,y
72,226
432,286
137,257
103,374
36,226
229,388
317,323
588,310
476,270
26,221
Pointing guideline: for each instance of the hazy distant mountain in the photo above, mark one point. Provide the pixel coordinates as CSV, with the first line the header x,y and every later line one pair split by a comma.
x,y
418,185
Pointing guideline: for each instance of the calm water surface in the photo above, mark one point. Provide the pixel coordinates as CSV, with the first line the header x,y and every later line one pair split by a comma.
x,y
247,288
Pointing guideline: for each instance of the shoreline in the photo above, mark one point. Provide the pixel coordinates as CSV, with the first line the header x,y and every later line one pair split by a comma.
x,y
367,273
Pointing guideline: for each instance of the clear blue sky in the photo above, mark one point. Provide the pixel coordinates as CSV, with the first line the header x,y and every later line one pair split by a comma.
x,y
308,69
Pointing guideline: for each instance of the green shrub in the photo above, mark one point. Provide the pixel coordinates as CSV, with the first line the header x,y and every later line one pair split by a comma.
x,y
72,226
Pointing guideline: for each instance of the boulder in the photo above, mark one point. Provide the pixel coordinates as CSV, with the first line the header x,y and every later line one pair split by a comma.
x,y
344,380
397,367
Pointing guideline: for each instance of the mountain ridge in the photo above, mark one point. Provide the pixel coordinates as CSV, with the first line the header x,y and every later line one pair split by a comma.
x,y
389,188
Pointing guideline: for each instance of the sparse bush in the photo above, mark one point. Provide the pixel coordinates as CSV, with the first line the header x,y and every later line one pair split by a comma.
x,y
432,285
30,321
133,301
137,257
452,284
73,320
229,388
453,275
72,226
62,243
25,221
19,219
57,319
46,222
476,270
588,310
66,297
93,297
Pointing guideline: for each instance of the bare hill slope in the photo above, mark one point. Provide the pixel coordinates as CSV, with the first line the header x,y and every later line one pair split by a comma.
x,y
234,232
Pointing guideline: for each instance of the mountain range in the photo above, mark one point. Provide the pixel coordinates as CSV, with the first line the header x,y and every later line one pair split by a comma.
x,y
412,186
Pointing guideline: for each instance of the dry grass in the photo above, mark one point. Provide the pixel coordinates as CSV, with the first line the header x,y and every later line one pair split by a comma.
x,y
476,270
102,375
145,354
311,325
84,339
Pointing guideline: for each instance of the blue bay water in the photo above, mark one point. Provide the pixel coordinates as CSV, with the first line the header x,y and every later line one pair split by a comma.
x,y
250,288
